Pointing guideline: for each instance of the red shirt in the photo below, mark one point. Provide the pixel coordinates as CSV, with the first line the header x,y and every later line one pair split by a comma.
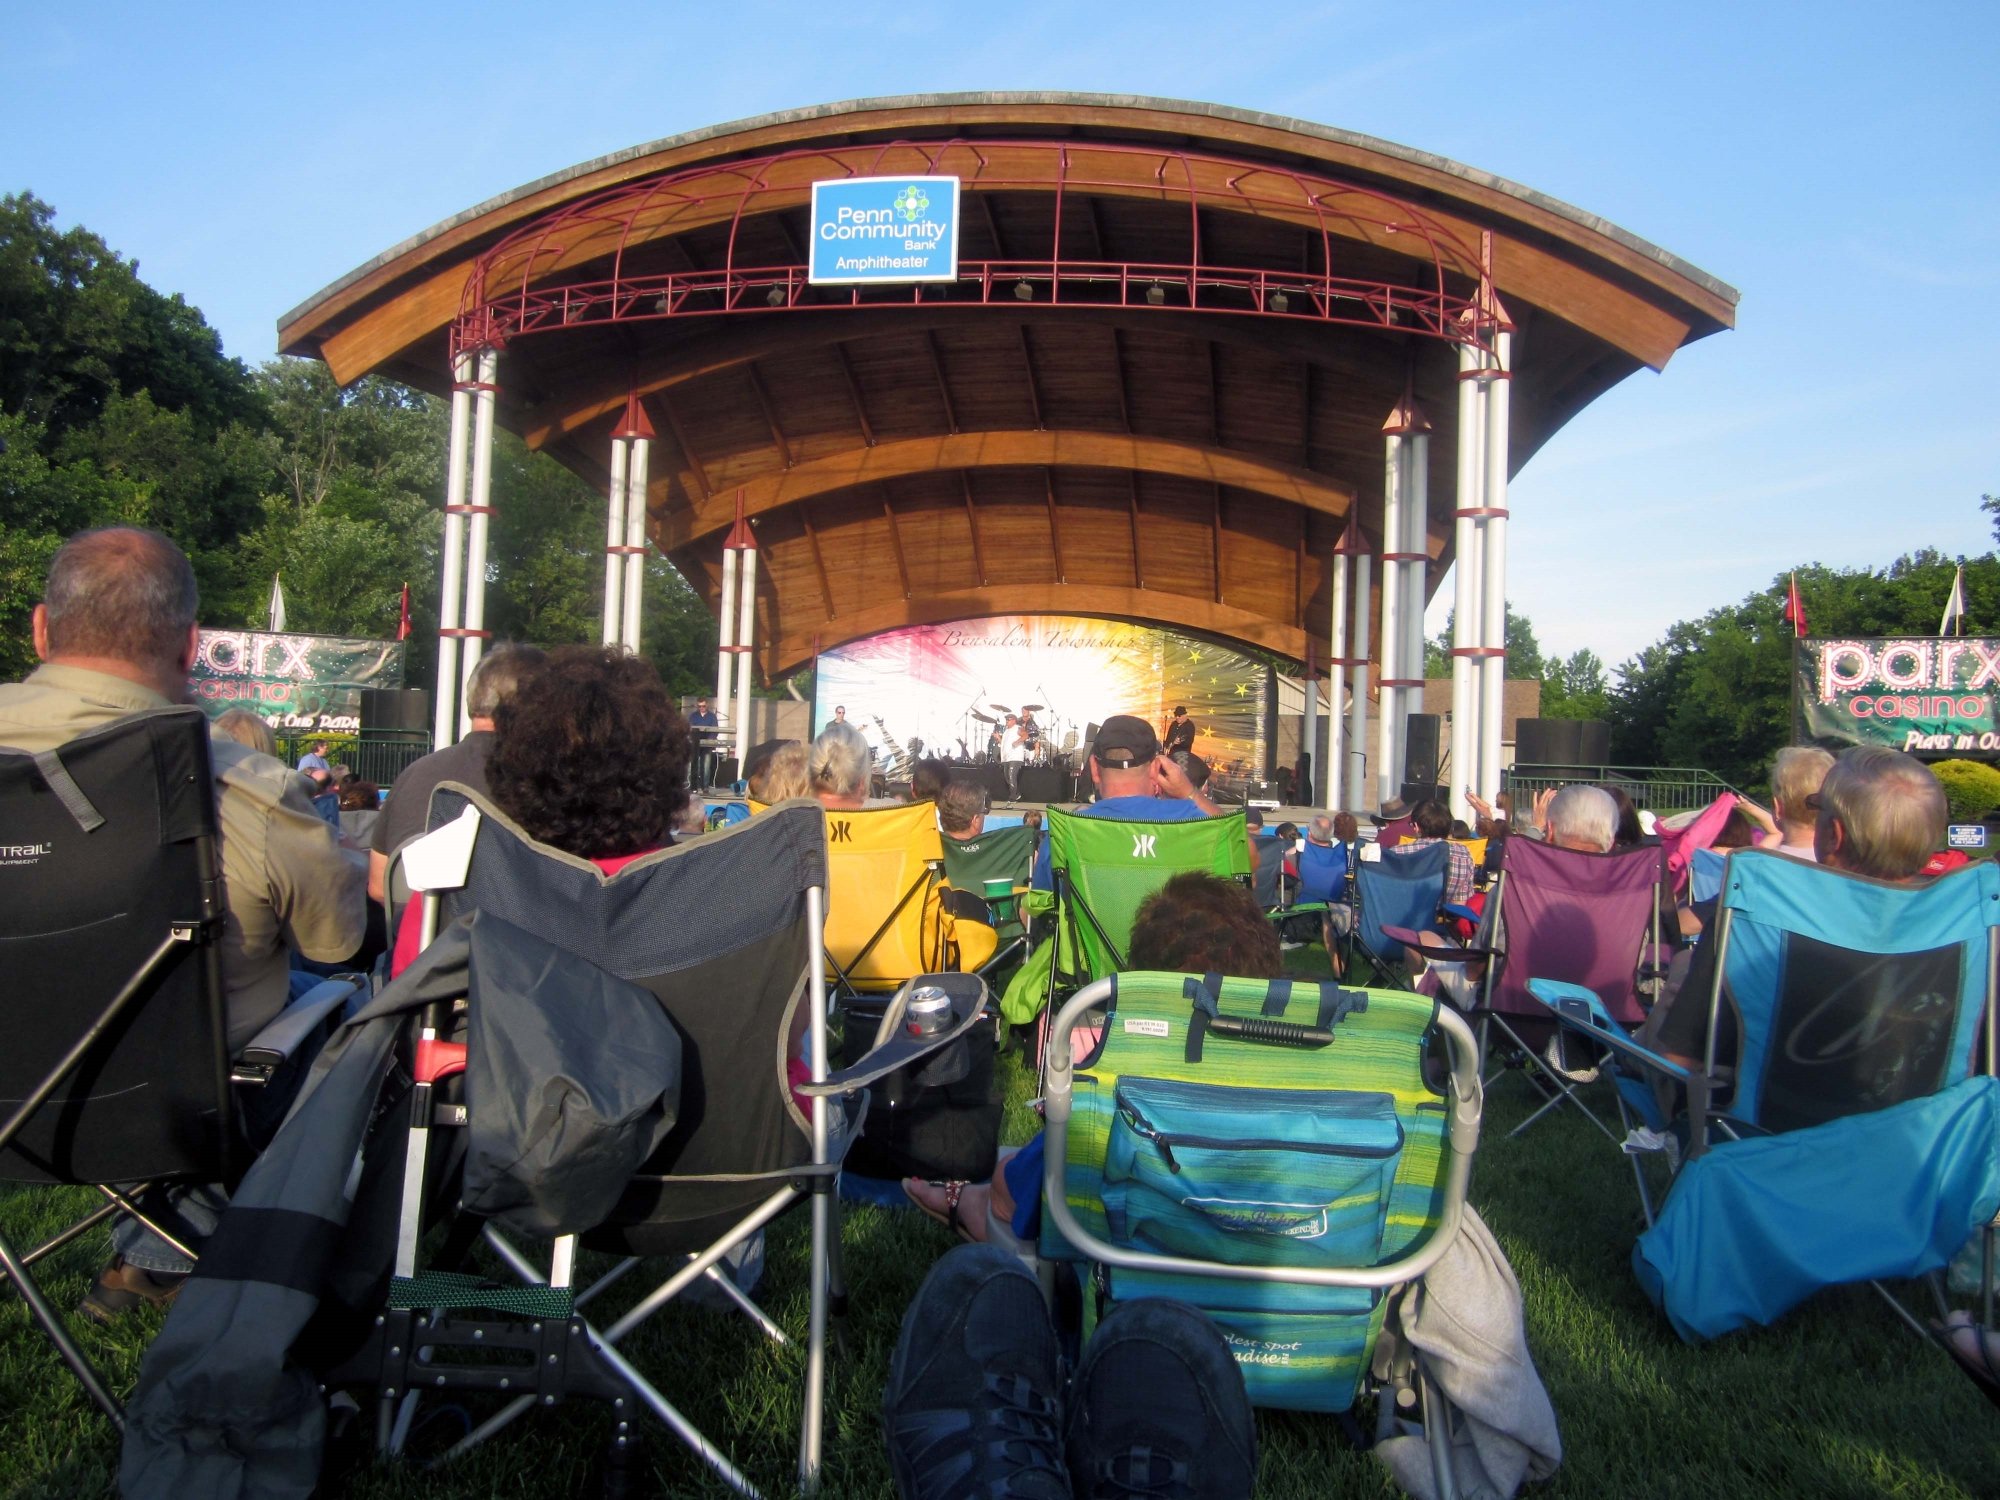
x,y
410,926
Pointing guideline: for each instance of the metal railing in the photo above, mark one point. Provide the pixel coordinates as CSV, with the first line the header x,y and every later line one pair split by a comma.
x,y
378,755
1660,789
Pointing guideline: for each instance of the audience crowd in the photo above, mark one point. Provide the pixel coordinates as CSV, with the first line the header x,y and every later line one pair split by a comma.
x,y
583,748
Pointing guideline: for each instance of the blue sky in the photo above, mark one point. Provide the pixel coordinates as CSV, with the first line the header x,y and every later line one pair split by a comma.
x,y
1835,162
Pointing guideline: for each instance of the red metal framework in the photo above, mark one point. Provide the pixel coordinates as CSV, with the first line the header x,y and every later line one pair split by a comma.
x,y
516,288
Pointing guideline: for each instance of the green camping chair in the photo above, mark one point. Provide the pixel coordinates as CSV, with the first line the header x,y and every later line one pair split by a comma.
x,y
998,854
1101,870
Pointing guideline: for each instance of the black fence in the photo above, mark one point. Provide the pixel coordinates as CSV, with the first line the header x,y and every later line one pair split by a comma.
x,y
377,755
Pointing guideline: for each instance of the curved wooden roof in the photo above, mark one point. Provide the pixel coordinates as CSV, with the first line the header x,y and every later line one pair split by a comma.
x,y
1189,458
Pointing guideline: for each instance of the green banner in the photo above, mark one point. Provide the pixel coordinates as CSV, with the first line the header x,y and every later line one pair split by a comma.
x,y
297,683
1928,695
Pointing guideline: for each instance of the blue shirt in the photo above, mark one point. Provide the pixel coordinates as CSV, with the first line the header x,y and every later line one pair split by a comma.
x,y
1140,809
312,760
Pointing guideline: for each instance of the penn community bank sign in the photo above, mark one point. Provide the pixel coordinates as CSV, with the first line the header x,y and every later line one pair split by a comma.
x,y
1928,695
874,231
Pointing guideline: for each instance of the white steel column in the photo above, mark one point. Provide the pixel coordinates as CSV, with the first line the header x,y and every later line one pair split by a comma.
x,y
614,538
1468,622
725,656
635,543
1415,547
1388,731
1493,586
1309,734
476,533
746,627
1335,777
1357,680
639,432
451,600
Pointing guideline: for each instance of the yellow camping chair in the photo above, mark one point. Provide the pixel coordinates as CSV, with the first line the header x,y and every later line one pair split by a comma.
x,y
886,918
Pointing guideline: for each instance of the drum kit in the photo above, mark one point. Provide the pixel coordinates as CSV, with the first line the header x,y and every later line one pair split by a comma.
x,y
1038,747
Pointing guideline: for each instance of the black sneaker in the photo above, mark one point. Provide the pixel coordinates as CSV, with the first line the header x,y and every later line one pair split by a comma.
x,y
972,1410
1158,1410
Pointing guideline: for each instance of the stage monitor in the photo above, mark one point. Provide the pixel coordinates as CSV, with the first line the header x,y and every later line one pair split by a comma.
x,y
952,686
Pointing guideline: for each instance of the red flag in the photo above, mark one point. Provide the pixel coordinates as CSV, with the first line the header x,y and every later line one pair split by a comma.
x,y
1795,608
403,624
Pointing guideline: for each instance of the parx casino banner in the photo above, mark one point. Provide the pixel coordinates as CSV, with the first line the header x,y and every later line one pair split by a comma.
x,y
296,683
948,689
1927,695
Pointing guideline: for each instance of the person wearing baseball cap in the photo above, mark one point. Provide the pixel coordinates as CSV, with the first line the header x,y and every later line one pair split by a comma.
x,y
1135,784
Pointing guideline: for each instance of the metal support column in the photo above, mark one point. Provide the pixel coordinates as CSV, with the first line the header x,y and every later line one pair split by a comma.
x,y
476,533
451,595
1415,549
614,540
639,432
1357,686
1388,732
1335,773
1467,619
746,655
1493,586
725,654
1309,732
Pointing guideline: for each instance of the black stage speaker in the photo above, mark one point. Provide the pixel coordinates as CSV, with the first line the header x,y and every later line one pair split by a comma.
x,y
1593,742
993,777
1545,742
1046,784
395,708
1420,748
1422,791
725,770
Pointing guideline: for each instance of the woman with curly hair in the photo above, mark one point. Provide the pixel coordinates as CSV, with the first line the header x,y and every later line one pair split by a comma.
x,y
591,755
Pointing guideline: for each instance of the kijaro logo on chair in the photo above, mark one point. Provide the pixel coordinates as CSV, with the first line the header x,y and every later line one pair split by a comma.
x,y
839,831
1142,845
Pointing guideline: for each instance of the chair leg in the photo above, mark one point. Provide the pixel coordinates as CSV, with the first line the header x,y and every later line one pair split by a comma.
x,y
815,1393
836,1268
1437,1435
58,1331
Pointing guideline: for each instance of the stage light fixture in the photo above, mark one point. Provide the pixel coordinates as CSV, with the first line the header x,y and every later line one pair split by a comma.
x,y
1023,292
1156,295
1280,302
775,297
660,303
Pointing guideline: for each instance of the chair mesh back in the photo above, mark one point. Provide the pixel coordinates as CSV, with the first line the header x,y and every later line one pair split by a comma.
x,y
1404,888
997,854
1852,994
1322,872
1269,874
881,861
715,928
82,912
1580,918
1110,867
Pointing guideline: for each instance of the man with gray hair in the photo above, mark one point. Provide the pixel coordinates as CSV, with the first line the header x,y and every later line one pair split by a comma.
x,y
117,636
1878,813
496,679
1584,818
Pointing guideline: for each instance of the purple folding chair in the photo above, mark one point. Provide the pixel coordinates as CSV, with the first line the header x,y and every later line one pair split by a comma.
x,y
1562,914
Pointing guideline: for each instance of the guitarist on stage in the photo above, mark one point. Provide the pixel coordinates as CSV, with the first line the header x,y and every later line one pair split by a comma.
x,y
1180,732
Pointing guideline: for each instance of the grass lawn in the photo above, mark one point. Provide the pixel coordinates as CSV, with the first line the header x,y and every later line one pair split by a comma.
x,y
1838,1400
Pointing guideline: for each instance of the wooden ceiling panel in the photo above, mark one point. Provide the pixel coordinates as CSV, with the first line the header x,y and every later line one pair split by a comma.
x,y
898,384
988,379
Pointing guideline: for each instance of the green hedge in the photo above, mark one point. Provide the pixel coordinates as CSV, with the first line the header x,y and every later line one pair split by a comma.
x,y
1971,787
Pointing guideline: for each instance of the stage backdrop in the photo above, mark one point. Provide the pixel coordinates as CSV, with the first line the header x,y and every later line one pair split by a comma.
x,y
926,683
1928,695
296,683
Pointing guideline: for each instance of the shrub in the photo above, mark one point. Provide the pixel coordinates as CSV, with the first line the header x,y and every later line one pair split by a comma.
x,y
1970,787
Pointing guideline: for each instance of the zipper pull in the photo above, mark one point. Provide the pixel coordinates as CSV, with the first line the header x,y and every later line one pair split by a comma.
x,y
1144,1129
1166,1152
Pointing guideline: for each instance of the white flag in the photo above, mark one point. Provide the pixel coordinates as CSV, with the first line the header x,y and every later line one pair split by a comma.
x,y
1953,622
277,606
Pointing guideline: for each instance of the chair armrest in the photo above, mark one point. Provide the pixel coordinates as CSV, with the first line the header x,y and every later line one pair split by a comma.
x,y
896,1046
270,1048
1581,1011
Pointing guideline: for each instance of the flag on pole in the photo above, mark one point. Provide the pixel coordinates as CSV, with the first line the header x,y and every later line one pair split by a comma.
x,y
1953,622
403,622
277,611
1795,608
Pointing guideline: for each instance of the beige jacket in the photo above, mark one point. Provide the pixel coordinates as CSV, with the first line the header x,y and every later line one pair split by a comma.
x,y
287,884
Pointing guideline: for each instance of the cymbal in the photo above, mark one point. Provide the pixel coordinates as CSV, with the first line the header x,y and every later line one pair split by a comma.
x,y
1031,708
984,718
1000,708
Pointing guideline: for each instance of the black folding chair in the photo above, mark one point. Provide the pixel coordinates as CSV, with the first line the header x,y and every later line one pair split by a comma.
x,y
116,1074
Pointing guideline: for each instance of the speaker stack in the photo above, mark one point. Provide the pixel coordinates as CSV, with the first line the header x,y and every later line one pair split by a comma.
x,y
395,708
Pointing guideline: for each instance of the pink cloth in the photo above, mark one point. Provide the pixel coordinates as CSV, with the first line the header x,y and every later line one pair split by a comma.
x,y
1680,843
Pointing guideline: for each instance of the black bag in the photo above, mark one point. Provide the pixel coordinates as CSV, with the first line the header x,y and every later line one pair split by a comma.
x,y
937,1120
